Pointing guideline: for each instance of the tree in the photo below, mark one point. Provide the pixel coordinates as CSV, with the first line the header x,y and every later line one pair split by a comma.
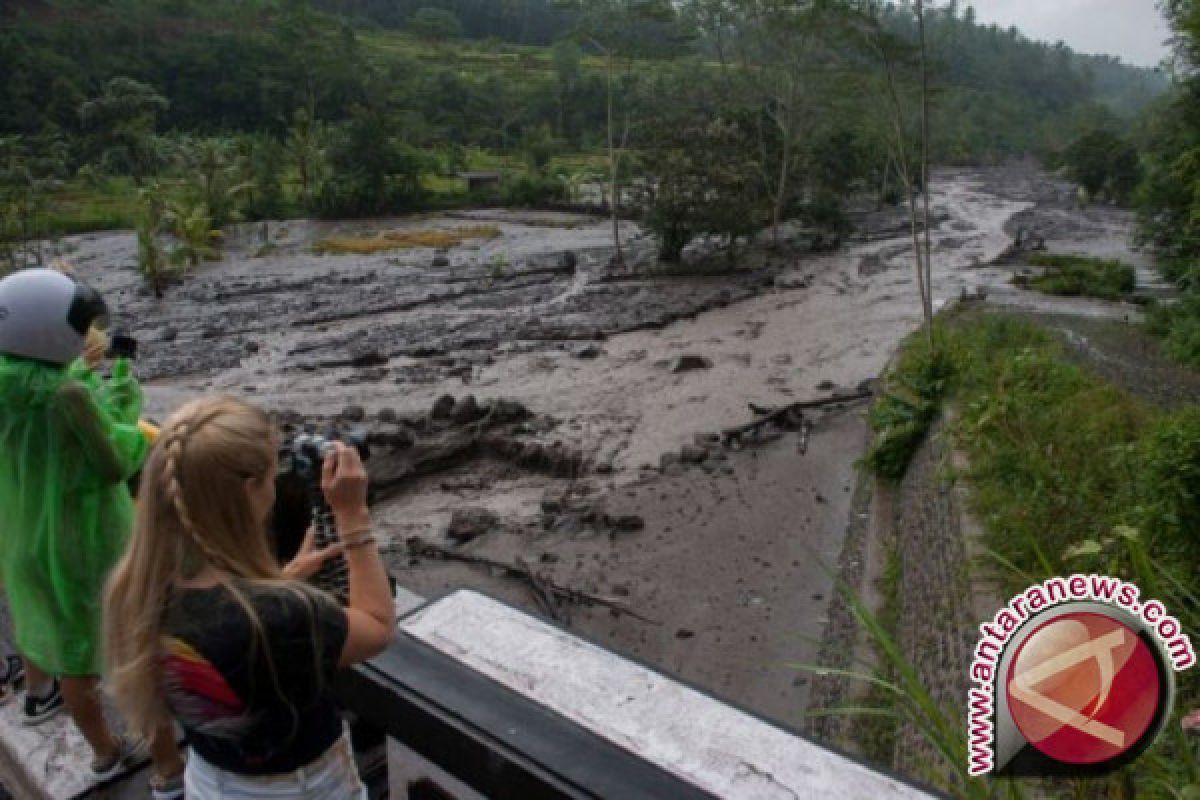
x,y
1104,163
435,24
783,49
306,149
121,124
29,171
908,149
567,59
152,259
370,171
615,29
699,170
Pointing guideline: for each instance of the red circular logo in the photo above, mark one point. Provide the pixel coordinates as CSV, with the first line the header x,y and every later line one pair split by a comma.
x,y
1083,688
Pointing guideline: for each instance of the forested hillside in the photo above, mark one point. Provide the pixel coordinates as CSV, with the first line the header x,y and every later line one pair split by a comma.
x,y
346,107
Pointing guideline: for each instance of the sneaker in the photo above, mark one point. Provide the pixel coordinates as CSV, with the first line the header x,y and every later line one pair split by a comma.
x,y
40,709
129,754
168,788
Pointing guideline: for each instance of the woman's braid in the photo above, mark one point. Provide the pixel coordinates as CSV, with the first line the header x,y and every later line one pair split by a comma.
x,y
173,447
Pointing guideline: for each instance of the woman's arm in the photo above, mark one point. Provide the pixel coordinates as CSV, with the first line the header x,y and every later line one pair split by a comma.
x,y
371,614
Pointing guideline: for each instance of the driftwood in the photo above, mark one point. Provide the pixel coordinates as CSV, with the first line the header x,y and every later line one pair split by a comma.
x,y
789,417
546,592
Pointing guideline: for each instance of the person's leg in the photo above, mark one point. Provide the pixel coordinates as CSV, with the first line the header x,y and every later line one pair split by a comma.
x,y
83,704
36,679
164,753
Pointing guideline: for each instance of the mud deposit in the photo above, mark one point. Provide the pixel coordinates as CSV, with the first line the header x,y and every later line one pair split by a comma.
x,y
605,499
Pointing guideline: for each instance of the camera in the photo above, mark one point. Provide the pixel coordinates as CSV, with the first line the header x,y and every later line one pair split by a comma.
x,y
300,503
122,346
303,454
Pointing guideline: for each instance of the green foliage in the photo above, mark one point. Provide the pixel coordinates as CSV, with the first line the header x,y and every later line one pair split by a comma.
x,y
1068,473
435,24
1104,164
212,175
120,127
700,171
910,402
153,261
195,236
534,190
1079,276
1180,324
371,172
1169,198
265,198
26,179
1169,486
296,71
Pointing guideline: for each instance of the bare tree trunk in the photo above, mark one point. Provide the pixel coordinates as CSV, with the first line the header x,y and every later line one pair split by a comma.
x,y
925,171
613,164
785,165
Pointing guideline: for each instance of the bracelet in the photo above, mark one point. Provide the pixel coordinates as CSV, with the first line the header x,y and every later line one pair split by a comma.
x,y
351,534
360,543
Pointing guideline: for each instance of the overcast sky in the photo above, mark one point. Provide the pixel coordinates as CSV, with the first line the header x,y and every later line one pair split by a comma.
x,y
1131,29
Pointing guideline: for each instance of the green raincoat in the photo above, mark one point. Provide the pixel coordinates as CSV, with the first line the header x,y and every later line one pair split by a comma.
x,y
68,443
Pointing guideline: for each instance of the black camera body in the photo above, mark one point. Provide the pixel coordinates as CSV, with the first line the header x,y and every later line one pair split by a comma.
x,y
122,346
300,503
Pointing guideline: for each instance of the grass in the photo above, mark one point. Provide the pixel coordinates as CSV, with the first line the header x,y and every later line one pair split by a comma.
x,y
910,401
1080,276
81,207
403,240
1068,473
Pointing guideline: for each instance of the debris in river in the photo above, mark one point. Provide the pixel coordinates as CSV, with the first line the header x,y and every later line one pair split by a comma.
x,y
689,363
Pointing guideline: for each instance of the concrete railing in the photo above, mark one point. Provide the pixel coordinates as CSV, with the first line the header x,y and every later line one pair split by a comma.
x,y
476,699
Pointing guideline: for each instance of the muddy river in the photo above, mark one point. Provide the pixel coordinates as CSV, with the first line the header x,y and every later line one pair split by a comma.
x,y
602,474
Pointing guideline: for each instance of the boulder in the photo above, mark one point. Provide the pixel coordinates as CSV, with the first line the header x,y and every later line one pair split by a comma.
x,y
470,523
689,363
443,407
466,410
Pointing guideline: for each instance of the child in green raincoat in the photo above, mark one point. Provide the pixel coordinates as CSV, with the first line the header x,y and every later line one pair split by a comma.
x,y
70,441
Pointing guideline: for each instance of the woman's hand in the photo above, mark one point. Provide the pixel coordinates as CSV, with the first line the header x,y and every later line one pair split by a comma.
x,y
309,559
344,482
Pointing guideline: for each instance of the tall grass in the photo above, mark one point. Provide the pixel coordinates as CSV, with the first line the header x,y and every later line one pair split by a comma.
x,y
1067,473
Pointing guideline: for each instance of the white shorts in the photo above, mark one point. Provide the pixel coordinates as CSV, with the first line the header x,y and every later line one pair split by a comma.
x,y
332,776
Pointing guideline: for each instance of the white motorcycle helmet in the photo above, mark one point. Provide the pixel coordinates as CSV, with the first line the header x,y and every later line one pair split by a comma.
x,y
45,315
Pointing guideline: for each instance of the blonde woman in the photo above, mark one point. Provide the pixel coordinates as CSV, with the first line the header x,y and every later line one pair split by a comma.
x,y
203,625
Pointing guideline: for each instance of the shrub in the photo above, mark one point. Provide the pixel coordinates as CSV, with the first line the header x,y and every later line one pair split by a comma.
x,y
531,190
1079,276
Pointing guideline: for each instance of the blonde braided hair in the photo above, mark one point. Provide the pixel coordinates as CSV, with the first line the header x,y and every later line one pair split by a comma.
x,y
173,443
194,510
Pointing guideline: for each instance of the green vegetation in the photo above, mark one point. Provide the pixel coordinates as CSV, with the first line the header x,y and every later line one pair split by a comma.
x,y
1067,473
1080,276
275,108
1104,165
1169,197
910,402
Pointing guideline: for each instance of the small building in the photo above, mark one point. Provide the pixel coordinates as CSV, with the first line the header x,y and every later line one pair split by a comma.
x,y
481,181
